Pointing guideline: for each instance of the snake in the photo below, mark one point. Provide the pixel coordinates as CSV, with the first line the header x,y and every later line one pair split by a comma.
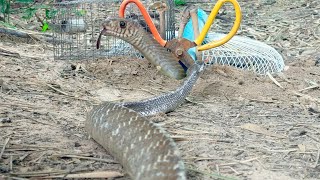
x,y
134,34
144,149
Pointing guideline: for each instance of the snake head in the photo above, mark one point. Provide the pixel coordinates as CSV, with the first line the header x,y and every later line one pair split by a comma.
x,y
119,27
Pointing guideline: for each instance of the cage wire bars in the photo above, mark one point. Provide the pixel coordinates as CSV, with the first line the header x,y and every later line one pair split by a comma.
x,y
77,24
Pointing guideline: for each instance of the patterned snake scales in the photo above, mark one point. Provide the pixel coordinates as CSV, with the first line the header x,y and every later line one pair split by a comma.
x,y
143,148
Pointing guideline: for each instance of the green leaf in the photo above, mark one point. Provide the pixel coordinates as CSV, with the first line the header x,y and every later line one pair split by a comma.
x,y
179,2
50,13
29,13
45,27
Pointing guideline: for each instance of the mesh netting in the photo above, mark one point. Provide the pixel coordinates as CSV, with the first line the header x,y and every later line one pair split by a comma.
x,y
245,53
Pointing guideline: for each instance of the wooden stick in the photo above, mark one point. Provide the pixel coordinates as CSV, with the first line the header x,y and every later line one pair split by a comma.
x,y
4,147
6,52
162,23
31,35
64,93
101,174
185,16
195,22
274,80
317,159
196,32
310,87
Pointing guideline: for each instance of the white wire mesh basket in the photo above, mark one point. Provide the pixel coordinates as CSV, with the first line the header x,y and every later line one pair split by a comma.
x,y
245,53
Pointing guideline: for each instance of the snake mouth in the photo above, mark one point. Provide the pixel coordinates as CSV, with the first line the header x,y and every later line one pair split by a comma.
x,y
99,38
107,31
104,32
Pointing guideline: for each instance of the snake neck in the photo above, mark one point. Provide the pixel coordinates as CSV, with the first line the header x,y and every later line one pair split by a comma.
x,y
169,101
133,33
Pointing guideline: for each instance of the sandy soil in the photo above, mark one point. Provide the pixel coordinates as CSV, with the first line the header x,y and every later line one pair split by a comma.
x,y
234,124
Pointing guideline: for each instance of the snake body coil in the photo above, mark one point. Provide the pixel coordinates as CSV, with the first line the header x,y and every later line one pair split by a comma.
x,y
144,149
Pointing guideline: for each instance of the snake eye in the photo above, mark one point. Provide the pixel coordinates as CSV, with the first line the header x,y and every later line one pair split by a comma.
x,y
122,24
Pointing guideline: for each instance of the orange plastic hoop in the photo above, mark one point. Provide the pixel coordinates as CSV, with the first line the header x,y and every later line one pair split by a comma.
x,y
146,16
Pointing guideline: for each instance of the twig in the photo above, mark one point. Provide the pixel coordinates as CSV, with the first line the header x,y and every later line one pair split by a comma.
x,y
10,133
39,19
84,157
11,164
33,146
18,178
317,159
102,175
24,156
192,131
240,162
190,122
314,138
310,87
274,80
56,89
4,125
9,53
14,33
262,100
38,158
4,147
179,138
234,170
193,102
30,35
20,105
307,97
218,168
39,174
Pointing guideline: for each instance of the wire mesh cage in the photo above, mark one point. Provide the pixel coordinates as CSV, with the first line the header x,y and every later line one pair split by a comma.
x,y
77,24
245,53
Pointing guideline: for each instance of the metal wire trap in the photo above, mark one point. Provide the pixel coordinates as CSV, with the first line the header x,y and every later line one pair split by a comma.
x,y
77,24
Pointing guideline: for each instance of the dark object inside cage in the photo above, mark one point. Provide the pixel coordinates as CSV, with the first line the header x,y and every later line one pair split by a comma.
x,y
77,24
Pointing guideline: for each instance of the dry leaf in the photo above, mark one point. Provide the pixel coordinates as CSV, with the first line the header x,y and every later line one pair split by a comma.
x,y
302,148
257,129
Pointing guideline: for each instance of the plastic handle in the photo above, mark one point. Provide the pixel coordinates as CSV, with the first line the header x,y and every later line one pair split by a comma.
x,y
146,16
210,20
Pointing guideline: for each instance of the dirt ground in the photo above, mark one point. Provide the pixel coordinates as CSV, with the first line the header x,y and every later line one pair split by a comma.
x,y
235,124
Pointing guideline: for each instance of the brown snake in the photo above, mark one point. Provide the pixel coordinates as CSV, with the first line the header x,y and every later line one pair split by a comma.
x,y
133,33
143,148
